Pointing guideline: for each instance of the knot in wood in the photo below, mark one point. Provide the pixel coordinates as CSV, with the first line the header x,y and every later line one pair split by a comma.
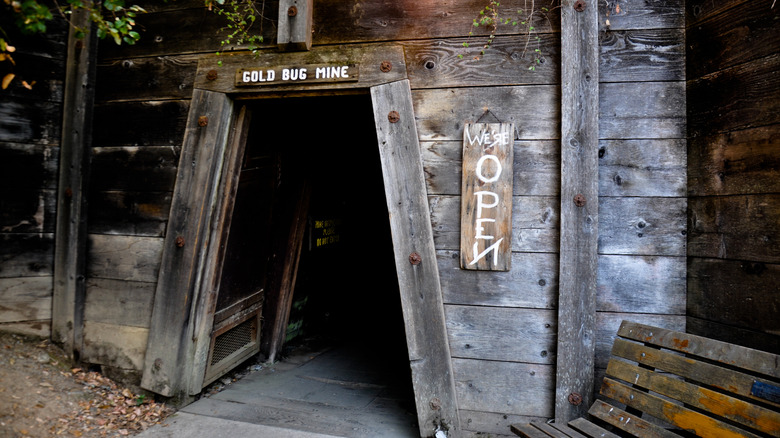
x,y
579,200
415,258
435,404
393,117
385,66
211,75
292,11
579,5
575,399
180,242
203,121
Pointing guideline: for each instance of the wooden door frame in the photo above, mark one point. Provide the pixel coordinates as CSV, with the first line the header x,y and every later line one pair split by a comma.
x,y
206,182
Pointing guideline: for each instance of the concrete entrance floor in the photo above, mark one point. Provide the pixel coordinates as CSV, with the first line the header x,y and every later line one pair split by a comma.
x,y
342,391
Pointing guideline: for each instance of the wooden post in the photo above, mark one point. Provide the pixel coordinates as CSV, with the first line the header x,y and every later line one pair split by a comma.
x,y
579,209
415,258
71,231
168,363
295,19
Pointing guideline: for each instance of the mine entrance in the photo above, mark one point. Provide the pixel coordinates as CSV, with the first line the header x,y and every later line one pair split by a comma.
x,y
309,271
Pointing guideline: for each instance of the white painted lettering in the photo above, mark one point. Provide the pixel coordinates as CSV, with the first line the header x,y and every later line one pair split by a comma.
x,y
246,76
481,204
335,72
320,72
480,229
481,162
482,138
494,247
344,71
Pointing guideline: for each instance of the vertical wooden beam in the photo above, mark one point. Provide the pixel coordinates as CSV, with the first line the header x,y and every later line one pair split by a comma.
x,y
415,258
168,359
579,209
71,231
295,20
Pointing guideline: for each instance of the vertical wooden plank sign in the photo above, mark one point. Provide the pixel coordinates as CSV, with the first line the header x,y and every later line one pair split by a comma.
x,y
486,197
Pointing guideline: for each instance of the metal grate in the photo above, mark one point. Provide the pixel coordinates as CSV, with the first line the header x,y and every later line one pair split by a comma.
x,y
232,340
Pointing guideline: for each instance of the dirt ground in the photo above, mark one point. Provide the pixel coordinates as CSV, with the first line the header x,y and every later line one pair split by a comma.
x,y
42,396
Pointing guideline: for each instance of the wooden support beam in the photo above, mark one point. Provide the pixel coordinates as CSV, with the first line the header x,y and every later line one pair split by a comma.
x,y
71,230
415,258
579,209
168,363
295,20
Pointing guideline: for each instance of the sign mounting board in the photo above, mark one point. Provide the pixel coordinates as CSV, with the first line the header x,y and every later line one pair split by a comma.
x,y
288,75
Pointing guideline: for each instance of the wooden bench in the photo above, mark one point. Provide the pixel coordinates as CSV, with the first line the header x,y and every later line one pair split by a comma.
x,y
662,383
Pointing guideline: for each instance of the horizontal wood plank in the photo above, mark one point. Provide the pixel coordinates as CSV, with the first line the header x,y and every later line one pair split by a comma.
x,y
491,333
607,325
720,227
639,14
44,75
735,335
642,284
493,423
148,123
636,110
127,258
134,168
590,429
652,168
129,213
30,121
40,328
28,166
642,55
27,210
532,282
114,345
25,299
642,226
441,113
155,78
26,255
505,387
126,303
701,10
630,423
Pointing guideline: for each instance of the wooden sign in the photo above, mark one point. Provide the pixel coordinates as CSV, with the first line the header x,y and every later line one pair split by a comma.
x,y
486,197
315,73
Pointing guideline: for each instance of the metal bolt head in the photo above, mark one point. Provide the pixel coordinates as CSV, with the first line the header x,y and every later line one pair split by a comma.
x,y
579,5
203,121
211,75
415,258
435,404
579,200
69,192
386,66
575,399
292,11
393,117
180,242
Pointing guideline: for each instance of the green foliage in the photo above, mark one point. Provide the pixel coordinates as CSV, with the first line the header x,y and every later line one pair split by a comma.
x,y
242,16
491,17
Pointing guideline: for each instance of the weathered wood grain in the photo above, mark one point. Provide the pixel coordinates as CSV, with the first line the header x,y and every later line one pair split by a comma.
x,y
30,121
735,162
700,10
532,282
535,223
748,293
608,323
642,226
505,387
155,78
128,258
129,213
740,227
535,110
27,210
28,166
536,168
642,110
418,281
740,97
639,14
40,328
641,284
43,75
148,123
732,38
735,335
148,168
25,299
490,333
642,168
579,211
438,63
115,345
26,255
493,423
293,28
642,55
633,424
120,302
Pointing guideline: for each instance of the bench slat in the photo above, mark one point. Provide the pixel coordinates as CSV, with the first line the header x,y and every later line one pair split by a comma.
x,y
728,380
630,423
722,405
742,357
528,430
568,431
590,429
675,415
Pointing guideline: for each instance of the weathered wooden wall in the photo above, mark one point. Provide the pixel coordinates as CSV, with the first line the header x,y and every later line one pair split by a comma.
x,y
734,171
29,157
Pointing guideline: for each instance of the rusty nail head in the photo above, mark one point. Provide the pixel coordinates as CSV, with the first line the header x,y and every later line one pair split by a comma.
x,y
579,200
68,192
203,121
211,75
579,5
180,242
435,404
292,11
575,399
394,117
386,66
415,258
